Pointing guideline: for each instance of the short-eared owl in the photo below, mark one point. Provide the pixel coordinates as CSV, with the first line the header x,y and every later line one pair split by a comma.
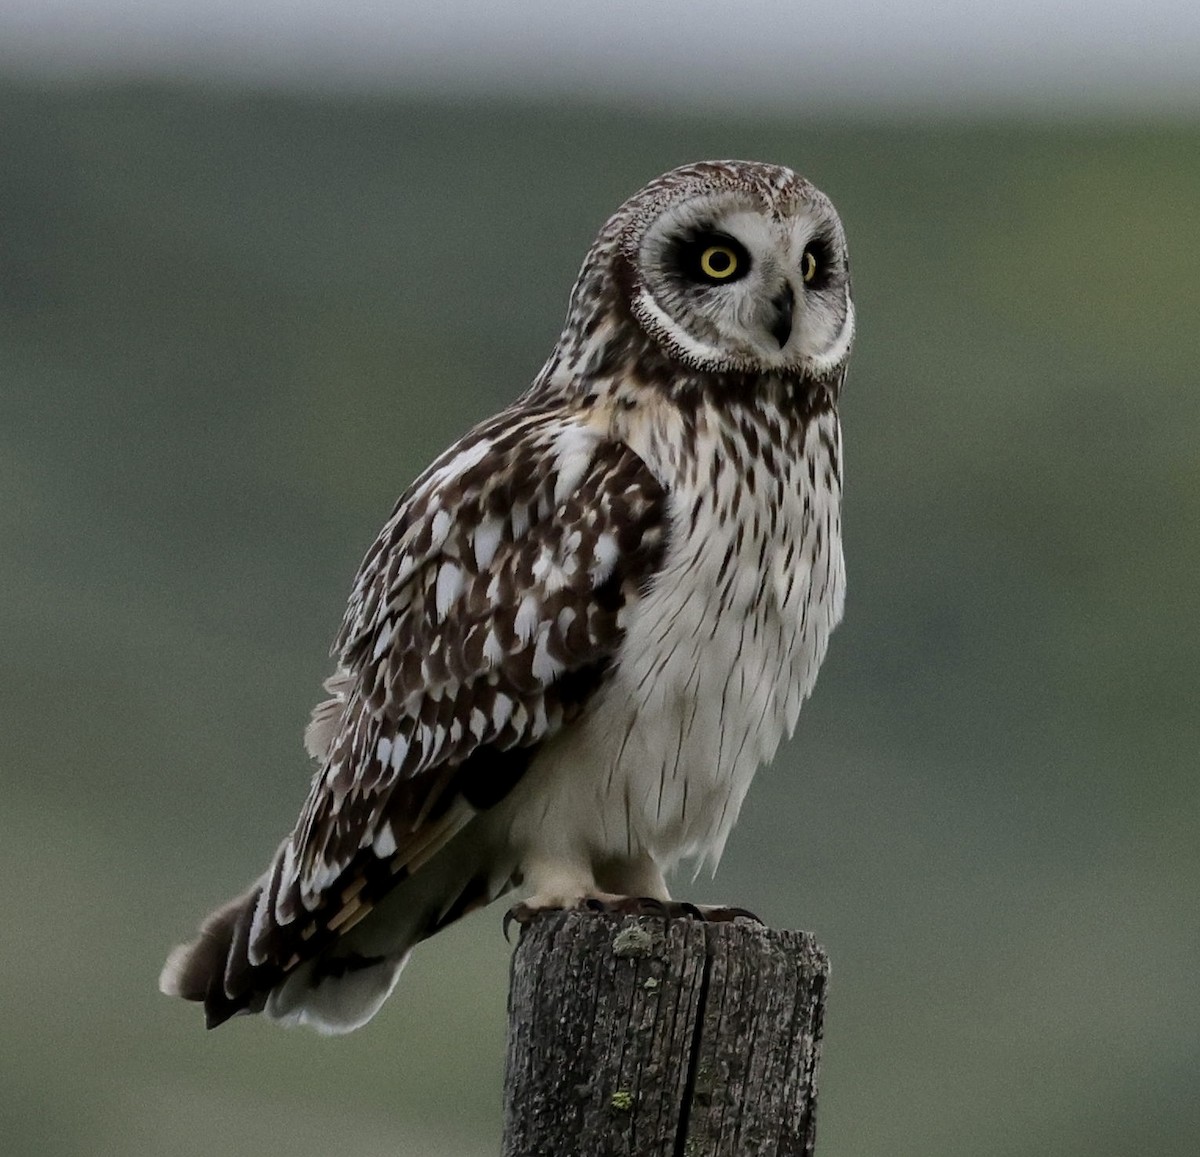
x,y
588,622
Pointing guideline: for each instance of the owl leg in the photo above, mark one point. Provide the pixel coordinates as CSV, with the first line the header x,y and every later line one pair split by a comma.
x,y
563,884
558,884
555,884
636,877
632,887
639,889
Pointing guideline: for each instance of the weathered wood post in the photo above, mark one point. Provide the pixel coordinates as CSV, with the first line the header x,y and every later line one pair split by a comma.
x,y
649,1037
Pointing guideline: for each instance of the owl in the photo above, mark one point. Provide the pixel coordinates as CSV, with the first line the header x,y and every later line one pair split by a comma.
x,y
585,625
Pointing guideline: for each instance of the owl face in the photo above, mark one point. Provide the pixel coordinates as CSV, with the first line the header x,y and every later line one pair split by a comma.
x,y
739,266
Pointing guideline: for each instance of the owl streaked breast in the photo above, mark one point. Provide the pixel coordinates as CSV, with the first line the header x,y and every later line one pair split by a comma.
x,y
722,649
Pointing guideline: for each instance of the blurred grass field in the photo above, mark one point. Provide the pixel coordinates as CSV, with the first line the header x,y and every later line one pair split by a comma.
x,y
233,326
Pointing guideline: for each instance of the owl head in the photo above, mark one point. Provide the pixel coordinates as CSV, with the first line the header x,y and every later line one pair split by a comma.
x,y
724,266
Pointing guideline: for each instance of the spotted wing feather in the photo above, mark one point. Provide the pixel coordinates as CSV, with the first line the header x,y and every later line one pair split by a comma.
x,y
481,620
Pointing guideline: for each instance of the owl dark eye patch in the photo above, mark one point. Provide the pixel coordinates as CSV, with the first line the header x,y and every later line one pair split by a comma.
x,y
817,263
711,258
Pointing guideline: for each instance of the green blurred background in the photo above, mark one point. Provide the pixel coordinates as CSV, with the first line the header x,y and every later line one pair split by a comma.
x,y
235,323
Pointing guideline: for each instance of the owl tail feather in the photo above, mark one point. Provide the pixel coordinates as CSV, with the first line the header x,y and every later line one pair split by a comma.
x,y
340,987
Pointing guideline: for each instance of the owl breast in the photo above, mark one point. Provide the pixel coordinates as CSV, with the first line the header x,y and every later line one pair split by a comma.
x,y
721,650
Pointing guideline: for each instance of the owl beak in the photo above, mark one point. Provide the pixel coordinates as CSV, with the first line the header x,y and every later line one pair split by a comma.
x,y
782,306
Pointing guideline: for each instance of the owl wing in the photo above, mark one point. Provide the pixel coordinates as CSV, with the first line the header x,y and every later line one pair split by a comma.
x,y
481,621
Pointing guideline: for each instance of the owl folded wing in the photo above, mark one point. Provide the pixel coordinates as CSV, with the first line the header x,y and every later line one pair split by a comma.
x,y
482,619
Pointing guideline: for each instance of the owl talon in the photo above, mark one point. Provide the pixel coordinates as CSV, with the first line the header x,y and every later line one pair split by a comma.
x,y
522,914
624,905
720,914
674,910
639,906
649,906
664,909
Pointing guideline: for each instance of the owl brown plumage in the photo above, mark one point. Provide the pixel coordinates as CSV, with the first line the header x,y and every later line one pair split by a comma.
x,y
586,624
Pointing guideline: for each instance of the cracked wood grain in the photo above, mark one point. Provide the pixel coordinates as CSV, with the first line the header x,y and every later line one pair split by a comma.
x,y
662,1038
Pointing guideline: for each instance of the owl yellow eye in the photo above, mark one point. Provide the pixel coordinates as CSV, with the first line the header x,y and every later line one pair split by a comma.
x,y
718,262
709,258
808,265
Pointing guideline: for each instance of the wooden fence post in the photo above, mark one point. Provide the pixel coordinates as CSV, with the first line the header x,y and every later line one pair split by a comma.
x,y
647,1037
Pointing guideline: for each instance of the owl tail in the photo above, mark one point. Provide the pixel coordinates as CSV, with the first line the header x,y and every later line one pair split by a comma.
x,y
340,987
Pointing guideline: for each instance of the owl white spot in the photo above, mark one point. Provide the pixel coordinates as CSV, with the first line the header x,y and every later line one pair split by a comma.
x,y
384,843
604,556
544,666
573,449
456,730
461,461
383,639
502,711
319,881
551,576
477,723
467,458
493,652
486,541
440,528
403,571
449,587
399,751
383,750
527,617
